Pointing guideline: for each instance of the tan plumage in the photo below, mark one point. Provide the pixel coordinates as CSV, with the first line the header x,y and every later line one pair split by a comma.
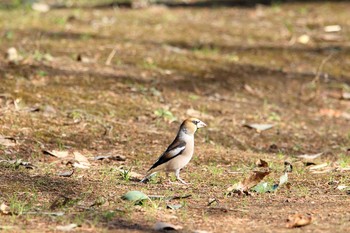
x,y
179,152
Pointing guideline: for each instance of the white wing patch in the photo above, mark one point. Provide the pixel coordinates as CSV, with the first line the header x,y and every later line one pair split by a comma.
x,y
176,151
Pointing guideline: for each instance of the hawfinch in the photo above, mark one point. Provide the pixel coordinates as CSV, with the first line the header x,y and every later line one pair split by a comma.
x,y
180,151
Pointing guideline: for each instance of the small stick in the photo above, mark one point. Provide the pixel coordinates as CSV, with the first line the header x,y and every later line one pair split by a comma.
x,y
111,55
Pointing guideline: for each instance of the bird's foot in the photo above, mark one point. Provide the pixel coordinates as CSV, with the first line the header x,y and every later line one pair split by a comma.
x,y
182,181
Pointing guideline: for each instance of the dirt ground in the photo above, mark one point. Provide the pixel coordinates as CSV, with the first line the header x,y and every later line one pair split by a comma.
x,y
110,81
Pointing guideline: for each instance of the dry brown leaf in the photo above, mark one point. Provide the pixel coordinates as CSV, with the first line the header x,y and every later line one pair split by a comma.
x,y
261,163
57,153
253,179
298,220
249,182
310,156
319,166
81,161
80,158
4,209
259,127
332,28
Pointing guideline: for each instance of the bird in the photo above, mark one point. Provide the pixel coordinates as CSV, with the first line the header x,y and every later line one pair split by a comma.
x,y
179,152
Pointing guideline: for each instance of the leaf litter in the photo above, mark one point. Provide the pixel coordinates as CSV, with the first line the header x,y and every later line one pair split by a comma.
x,y
66,173
310,156
5,209
19,162
253,179
253,182
81,161
298,220
56,153
259,127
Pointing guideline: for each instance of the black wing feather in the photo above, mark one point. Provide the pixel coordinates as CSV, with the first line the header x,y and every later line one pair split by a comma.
x,y
165,157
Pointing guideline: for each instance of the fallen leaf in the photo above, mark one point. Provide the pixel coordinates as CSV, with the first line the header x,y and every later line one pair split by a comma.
x,y
261,163
68,227
168,198
41,7
7,141
111,157
12,55
249,182
212,201
66,173
342,187
56,153
19,162
135,196
321,168
326,170
316,167
259,127
303,39
82,166
53,213
298,220
81,161
332,28
310,156
4,209
283,179
174,207
265,187
57,214
345,96
163,226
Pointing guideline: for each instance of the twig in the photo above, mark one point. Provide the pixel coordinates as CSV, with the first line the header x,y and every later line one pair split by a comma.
x,y
111,55
320,67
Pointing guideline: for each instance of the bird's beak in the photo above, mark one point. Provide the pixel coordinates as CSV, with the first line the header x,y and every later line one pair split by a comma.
x,y
201,124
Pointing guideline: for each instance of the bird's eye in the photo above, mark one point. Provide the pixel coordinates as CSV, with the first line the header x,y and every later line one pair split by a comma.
x,y
195,122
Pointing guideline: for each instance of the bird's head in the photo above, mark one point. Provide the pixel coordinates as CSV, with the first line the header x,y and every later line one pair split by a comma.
x,y
191,125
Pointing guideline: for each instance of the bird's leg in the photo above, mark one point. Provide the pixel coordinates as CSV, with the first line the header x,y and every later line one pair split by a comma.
x,y
177,173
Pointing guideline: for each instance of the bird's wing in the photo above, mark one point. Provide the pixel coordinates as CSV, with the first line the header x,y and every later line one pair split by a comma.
x,y
175,149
